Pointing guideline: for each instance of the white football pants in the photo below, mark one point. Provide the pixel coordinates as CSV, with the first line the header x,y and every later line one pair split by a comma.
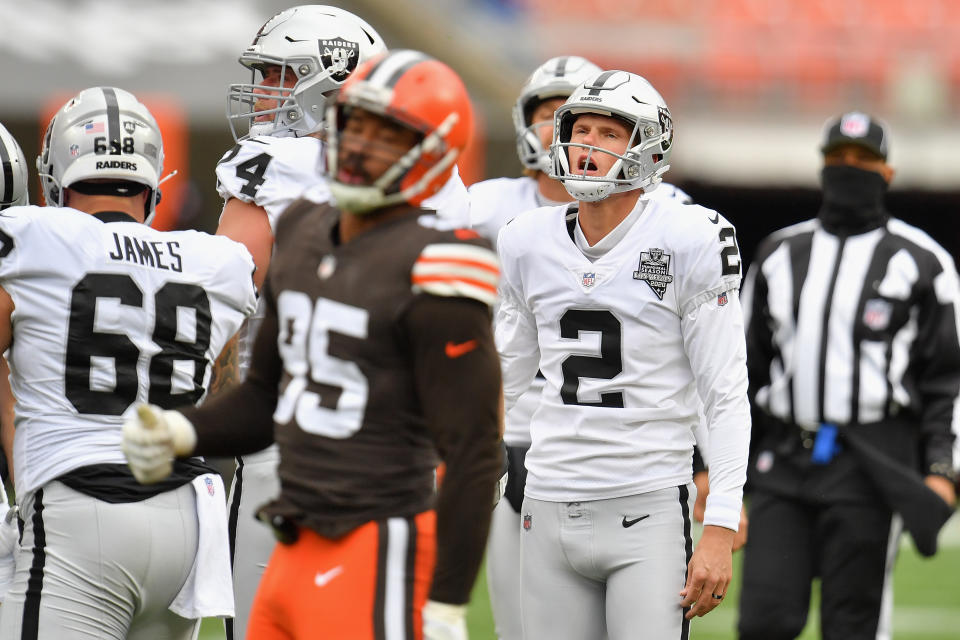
x,y
613,567
92,569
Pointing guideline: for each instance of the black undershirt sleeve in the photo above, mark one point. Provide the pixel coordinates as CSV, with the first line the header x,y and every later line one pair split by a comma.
x,y
457,376
240,421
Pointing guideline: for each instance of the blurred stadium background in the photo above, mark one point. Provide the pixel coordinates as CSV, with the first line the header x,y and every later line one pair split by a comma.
x,y
750,83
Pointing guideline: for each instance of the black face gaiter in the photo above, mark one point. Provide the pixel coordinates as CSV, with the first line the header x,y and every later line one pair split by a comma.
x,y
852,200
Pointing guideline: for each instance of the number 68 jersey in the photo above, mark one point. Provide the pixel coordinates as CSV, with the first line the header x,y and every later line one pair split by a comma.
x,y
628,343
109,312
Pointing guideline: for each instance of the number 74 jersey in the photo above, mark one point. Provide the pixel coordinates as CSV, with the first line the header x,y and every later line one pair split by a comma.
x,y
109,312
628,343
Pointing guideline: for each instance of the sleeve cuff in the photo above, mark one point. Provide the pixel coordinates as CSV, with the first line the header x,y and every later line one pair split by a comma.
x,y
723,511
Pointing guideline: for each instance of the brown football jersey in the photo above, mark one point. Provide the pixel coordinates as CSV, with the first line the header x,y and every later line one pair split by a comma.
x,y
349,420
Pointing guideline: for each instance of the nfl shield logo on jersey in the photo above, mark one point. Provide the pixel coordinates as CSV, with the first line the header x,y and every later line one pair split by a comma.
x,y
339,57
654,269
527,522
588,279
876,314
209,483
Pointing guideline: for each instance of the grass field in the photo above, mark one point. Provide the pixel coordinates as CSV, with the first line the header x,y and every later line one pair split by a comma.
x,y
926,601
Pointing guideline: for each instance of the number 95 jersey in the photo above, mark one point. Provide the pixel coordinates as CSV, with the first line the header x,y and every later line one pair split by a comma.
x,y
109,312
628,344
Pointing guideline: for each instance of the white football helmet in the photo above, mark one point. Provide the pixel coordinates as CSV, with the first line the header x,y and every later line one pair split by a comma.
x,y
322,45
102,133
632,99
13,172
555,78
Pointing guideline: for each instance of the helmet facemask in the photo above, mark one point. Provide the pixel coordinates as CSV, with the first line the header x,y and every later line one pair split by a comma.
x,y
299,109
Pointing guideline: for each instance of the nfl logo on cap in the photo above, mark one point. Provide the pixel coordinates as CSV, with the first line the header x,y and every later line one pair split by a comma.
x,y
855,124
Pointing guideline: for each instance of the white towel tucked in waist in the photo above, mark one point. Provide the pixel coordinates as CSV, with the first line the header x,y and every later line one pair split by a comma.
x,y
208,591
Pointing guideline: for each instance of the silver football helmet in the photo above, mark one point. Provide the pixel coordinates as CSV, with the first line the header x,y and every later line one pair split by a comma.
x,y
102,133
555,78
322,45
13,172
632,99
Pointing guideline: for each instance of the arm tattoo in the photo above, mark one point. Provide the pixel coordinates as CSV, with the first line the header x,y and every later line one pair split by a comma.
x,y
226,370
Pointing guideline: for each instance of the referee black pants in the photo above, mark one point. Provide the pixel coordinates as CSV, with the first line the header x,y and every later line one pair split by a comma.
x,y
851,547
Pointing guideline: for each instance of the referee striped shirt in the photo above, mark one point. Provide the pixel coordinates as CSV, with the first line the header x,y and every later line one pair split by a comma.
x,y
856,329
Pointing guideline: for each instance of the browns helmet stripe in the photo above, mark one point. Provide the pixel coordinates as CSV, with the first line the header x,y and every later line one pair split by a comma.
x,y
113,121
7,195
389,70
598,84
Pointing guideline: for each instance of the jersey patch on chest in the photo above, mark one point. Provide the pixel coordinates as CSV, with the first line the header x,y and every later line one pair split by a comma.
x,y
654,269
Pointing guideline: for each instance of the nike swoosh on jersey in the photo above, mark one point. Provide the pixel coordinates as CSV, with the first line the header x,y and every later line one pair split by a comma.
x,y
457,349
323,578
629,523
715,219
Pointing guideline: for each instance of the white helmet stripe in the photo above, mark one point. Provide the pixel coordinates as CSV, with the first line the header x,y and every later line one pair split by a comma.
x,y
561,67
113,120
598,83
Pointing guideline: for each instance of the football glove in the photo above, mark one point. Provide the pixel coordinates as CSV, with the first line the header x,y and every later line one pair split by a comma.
x,y
443,621
152,438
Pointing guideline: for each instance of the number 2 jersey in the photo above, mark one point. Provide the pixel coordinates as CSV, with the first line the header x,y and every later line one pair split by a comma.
x,y
109,312
374,356
626,341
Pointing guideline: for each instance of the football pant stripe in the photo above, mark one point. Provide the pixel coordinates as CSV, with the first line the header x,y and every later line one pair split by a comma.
x,y
410,577
30,629
688,548
379,598
396,594
232,531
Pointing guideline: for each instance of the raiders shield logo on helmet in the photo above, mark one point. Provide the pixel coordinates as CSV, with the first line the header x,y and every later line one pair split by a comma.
x,y
339,57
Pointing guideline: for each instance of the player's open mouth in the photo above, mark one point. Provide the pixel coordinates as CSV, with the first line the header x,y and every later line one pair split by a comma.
x,y
586,166
347,177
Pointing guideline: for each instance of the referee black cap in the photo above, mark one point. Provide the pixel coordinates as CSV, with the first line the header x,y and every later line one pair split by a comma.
x,y
856,128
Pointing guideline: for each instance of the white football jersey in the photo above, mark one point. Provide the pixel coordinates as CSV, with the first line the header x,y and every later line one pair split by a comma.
x,y
626,343
108,314
494,203
273,172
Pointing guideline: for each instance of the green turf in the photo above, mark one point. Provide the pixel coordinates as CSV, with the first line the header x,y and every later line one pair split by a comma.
x,y
926,601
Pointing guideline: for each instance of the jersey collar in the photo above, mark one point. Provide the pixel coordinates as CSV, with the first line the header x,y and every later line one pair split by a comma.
x,y
113,216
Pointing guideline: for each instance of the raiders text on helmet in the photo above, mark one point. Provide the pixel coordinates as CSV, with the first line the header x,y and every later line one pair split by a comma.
x,y
322,45
13,172
416,91
555,78
633,100
103,133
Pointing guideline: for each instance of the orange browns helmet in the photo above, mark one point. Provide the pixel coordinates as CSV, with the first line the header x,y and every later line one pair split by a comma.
x,y
419,92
